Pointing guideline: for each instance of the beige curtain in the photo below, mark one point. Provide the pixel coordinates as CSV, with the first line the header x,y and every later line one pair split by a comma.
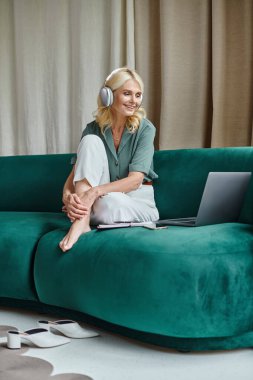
x,y
195,56
54,57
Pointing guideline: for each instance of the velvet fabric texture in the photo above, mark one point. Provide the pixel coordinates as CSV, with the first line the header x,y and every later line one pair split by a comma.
x,y
180,282
183,173
19,236
182,287
33,183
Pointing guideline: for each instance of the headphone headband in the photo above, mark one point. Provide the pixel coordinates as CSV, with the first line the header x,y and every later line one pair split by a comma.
x,y
124,69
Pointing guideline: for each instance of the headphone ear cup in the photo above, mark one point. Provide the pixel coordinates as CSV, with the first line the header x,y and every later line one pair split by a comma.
x,y
106,96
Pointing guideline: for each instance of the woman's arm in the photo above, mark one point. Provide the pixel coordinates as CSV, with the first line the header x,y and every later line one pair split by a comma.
x,y
125,185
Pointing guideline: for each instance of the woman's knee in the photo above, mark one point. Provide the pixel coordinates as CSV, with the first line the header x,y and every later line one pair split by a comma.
x,y
92,142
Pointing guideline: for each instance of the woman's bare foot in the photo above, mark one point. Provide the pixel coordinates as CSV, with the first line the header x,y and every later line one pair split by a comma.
x,y
78,228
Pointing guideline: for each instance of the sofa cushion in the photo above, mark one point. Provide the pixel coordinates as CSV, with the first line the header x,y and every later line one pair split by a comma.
x,y
183,173
33,183
180,282
20,233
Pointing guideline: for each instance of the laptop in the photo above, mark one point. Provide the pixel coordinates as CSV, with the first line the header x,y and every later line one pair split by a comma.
x,y
221,201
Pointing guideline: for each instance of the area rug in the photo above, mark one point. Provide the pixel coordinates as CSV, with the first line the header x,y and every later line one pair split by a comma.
x,y
15,366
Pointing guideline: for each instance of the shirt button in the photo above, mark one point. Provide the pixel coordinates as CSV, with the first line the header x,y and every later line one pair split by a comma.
x,y
116,163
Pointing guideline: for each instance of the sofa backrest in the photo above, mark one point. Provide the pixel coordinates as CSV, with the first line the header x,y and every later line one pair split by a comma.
x,y
183,173
33,183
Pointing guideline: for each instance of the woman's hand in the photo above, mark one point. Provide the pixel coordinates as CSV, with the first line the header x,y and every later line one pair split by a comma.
x,y
74,207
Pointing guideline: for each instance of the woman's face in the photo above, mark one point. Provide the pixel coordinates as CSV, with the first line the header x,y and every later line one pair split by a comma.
x,y
127,98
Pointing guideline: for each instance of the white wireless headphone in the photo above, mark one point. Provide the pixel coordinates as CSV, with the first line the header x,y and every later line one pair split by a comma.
x,y
106,94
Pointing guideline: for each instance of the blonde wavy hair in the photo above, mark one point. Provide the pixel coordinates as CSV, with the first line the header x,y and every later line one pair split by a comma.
x,y
115,80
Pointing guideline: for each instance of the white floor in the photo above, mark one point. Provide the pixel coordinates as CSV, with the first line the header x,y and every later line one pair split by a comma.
x,y
110,357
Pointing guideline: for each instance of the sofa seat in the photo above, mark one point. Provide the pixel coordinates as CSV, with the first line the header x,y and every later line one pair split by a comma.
x,y
180,282
20,233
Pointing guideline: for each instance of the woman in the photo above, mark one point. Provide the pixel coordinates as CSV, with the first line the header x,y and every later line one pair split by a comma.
x,y
114,161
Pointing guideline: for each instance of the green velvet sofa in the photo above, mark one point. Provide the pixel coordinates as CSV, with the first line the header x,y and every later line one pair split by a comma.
x,y
184,288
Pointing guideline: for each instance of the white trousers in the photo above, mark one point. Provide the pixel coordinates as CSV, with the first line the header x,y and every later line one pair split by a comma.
x,y
92,165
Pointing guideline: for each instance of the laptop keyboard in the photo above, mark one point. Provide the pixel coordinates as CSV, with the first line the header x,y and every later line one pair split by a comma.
x,y
190,221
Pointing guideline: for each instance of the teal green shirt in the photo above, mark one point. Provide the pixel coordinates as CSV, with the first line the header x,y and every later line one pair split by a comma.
x,y
134,154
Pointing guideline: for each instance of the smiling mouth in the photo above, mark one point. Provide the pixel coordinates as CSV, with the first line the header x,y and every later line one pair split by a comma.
x,y
130,107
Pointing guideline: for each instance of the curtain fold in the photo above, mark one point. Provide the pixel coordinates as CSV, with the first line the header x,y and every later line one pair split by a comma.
x,y
8,100
232,72
186,70
196,59
148,57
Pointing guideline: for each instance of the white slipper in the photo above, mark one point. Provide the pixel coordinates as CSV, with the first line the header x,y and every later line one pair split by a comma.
x,y
39,337
69,328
